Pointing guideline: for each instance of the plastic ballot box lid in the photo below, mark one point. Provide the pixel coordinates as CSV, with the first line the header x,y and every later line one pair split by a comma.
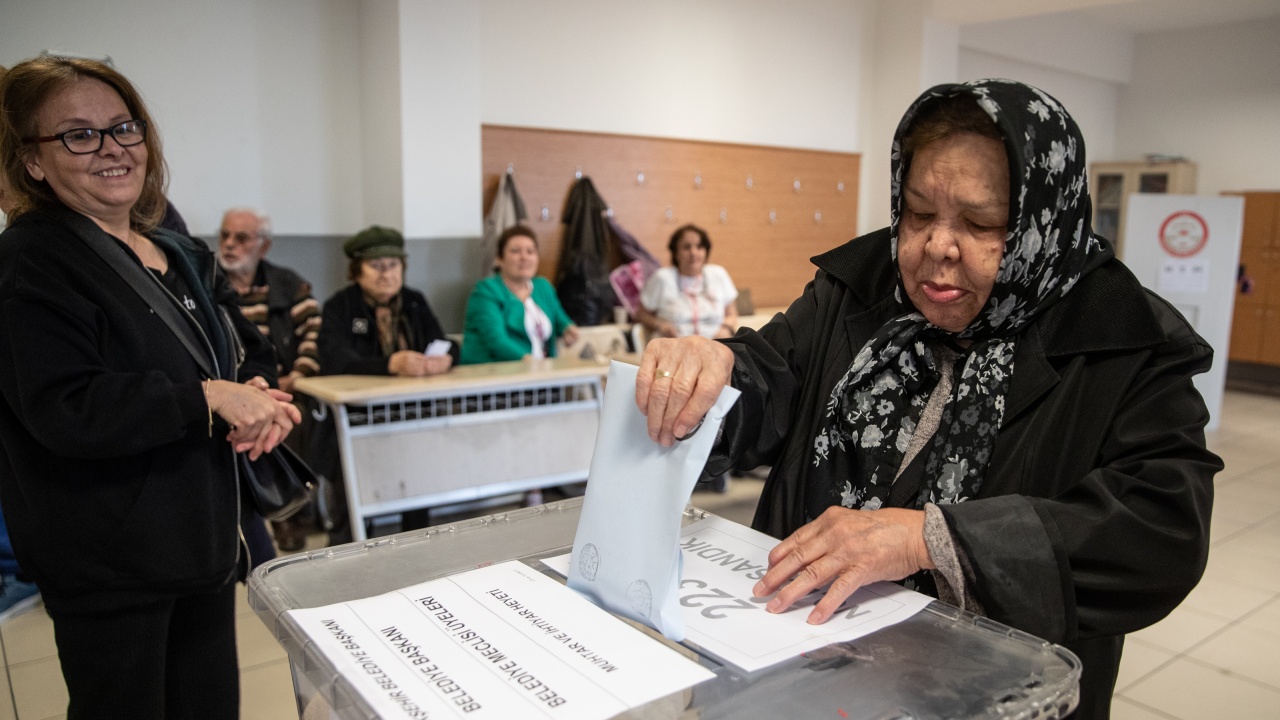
x,y
940,663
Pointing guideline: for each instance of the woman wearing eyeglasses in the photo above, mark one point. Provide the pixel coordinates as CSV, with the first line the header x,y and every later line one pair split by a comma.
x,y
125,399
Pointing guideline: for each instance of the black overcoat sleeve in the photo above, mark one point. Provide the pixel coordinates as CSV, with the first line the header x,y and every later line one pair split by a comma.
x,y
1117,546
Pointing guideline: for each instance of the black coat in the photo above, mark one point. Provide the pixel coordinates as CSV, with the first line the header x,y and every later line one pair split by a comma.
x,y
1093,517
111,485
349,332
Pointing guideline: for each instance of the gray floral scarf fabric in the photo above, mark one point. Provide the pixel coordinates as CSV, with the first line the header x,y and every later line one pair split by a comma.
x,y
873,410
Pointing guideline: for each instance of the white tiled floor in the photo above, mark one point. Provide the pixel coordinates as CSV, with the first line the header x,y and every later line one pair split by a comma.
x,y
1216,656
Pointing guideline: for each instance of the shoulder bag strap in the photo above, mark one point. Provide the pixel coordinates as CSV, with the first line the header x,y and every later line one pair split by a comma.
x,y
144,284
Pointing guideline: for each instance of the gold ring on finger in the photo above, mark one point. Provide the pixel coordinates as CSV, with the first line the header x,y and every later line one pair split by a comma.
x,y
663,373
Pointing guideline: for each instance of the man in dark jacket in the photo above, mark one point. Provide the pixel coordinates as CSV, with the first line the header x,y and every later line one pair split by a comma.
x,y
279,302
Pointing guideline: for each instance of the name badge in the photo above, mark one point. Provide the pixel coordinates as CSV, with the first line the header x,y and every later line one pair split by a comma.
x,y
360,326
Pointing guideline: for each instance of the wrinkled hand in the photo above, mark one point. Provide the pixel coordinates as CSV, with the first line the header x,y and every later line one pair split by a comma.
x,y
259,418
569,336
407,363
700,368
848,549
286,381
436,364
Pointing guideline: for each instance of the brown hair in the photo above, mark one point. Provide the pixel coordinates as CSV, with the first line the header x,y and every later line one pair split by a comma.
x,y
25,89
515,231
704,241
947,117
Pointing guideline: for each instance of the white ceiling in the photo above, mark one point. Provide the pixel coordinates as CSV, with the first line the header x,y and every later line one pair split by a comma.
x,y
1136,16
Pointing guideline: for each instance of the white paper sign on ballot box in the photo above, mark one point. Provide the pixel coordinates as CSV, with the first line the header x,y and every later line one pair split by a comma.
x,y
501,641
722,562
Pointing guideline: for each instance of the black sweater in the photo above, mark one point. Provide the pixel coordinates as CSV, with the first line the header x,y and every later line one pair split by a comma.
x,y
349,332
111,485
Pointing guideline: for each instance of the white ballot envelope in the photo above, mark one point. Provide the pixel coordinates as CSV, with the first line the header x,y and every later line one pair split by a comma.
x,y
438,347
626,553
722,562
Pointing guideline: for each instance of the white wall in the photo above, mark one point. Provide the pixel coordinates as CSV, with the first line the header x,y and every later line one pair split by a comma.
x,y
382,171
908,52
252,99
1063,41
745,71
1092,102
1213,95
440,117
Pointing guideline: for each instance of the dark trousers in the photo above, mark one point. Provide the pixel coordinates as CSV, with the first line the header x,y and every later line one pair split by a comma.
x,y
170,659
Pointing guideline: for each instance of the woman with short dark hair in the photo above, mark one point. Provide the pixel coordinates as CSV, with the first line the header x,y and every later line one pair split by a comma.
x,y
514,313
692,296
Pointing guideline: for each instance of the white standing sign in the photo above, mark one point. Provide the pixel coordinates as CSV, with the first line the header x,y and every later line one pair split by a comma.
x,y
1187,249
496,642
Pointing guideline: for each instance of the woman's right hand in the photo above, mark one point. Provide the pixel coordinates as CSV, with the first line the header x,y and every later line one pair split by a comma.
x,y
259,419
409,363
678,382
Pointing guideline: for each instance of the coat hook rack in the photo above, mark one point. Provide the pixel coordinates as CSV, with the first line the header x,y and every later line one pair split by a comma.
x,y
697,181
511,168
840,186
669,215
545,214
773,217
751,184
817,217
796,184
639,177
577,173
724,216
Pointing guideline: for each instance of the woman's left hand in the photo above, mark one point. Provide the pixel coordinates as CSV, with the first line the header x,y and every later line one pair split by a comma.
x,y
570,335
848,549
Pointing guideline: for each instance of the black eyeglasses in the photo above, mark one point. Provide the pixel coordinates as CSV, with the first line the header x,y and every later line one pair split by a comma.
x,y
83,141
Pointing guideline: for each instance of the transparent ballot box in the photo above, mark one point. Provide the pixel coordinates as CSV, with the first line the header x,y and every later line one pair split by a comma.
x,y
940,663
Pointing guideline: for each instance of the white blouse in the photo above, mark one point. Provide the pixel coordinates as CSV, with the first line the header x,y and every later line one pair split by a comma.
x,y
538,326
694,305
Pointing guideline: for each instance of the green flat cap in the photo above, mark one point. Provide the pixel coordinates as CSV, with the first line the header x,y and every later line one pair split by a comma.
x,y
374,242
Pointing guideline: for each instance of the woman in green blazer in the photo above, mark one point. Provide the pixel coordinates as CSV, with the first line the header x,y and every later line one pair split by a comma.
x,y
513,313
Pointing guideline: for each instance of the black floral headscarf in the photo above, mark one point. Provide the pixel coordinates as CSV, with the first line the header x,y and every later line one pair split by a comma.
x,y
874,408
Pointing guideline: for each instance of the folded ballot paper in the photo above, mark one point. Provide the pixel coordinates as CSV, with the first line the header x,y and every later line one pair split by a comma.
x,y
626,554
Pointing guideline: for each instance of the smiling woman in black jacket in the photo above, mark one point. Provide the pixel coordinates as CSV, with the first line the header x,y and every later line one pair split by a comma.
x,y
123,403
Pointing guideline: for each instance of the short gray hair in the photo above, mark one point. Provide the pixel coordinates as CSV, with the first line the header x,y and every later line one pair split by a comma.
x,y
264,220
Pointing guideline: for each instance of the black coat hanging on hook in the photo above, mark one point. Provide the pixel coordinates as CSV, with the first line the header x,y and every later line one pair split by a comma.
x,y
582,277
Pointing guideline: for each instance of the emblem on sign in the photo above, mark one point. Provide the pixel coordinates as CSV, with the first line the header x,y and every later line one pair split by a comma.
x,y
1183,234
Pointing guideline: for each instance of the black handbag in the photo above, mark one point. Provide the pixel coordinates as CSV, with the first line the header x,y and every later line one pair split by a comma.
x,y
278,483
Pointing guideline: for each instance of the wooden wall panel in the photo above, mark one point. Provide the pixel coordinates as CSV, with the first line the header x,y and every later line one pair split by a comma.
x,y
771,257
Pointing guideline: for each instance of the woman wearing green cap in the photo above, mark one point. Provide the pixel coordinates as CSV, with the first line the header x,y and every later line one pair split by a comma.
x,y
376,325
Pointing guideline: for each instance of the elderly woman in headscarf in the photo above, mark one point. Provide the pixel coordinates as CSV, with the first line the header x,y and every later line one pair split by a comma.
x,y
979,400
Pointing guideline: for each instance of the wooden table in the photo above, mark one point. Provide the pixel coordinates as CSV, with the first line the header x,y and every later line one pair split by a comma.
x,y
472,433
